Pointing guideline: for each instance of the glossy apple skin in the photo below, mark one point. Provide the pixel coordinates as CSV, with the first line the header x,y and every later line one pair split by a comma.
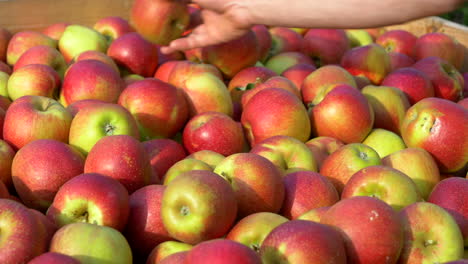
x,y
284,40
166,249
273,82
55,31
298,73
264,40
322,147
77,39
284,60
401,41
113,27
415,84
400,60
440,127
247,79
43,55
97,55
325,46
34,79
163,153
21,41
438,44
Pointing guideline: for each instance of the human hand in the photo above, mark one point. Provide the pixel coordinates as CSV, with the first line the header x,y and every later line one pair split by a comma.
x,y
223,20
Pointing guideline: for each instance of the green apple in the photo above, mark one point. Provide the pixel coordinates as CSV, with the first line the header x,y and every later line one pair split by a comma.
x,y
384,142
3,84
358,37
209,157
77,39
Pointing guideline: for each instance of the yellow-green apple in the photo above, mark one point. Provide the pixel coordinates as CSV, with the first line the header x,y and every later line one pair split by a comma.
x,y
344,113
414,83
123,158
431,235
43,55
100,120
145,229
460,261
172,19
358,37
340,165
321,81
372,230
209,157
34,79
300,30
264,41
5,68
417,164
325,46
385,183
159,108
297,73
134,54
302,241
6,160
113,27
76,106
55,30
284,39
273,82
214,131
163,153
4,88
5,36
284,60
23,237
439,126
400,60
446,79
389,105
34,117
322,147
438,44
164,70
451,194
247,79
306,190
314,215
24,40
91,79
52,163
97,55
222,251
256,182
287,153
165,249
90,243
397,40
182,166
90,198
273,112
252,229
384,142
53,258
79,38
204,210
371,61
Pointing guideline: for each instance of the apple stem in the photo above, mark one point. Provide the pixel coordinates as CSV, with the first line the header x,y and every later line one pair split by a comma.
x,y
429,242
255,247
363,155
109,129
184,210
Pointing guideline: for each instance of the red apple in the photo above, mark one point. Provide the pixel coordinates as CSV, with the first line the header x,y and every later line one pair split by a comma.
x,y
5,68
325,46
43,55
34,79
264,41
24,40
247,79
398,40
164,70
6,160
53,258
221,251
97,55
273,82
322,147
113,27
297,73
284,39
163,153
76,106
438,44
400,60
55,31
176,258
166,249
185,165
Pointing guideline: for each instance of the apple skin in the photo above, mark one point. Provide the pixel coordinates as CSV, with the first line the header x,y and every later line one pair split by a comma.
x,y
284,60
358,37
19,228
400,60
325,46
184,165
53,258
438,44
384,142
273,82
113,27
104,244
440,127
211,158
4,101
78,38
21,41
256,182
164,70
417,164
182,70
4,194
302,241
414,83
166,249
159,108
6,160
222,251
297,73
123,158
205,210
284,39
135,54
322,147
344,113
52,163
264,40
34,79
43,55
247,79
77,106
389,105
446,80
213,131
372,230
315,214
450,195
176,258
92,123
306,190
398,40
91,79
5,68
5,36
252,229
282,113
145,229
172,19
464,103
340,166
163,153
55,30
424,245
97,55
27,118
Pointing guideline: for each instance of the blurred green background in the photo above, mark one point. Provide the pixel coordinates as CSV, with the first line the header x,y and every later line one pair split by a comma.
x,y
459,16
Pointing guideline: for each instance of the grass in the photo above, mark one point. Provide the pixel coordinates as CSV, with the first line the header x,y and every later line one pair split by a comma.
x,y
459,16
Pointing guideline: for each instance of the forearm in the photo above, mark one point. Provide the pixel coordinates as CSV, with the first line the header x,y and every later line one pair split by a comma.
x,y
343,13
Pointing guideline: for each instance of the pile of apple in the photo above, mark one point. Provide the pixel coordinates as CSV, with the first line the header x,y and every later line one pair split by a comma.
x,y
286,145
